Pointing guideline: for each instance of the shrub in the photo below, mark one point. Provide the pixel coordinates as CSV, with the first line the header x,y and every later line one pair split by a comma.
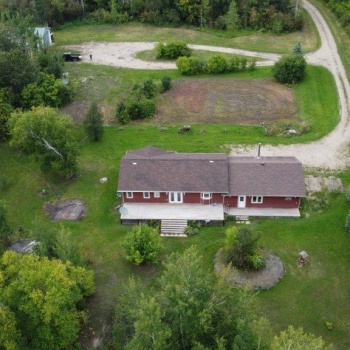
x,y
241,248
142,245
140,108
290,69
149,89
166,84
217,64
172,50
257,262
150,16
234,64
122,113
190,65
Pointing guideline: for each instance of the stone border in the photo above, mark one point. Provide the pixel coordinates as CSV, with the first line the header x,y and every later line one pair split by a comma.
x,y
256,280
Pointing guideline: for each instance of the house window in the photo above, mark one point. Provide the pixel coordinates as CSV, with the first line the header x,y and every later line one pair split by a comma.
x,y
146,195
129,195
288,198
257,199
156,194
206,195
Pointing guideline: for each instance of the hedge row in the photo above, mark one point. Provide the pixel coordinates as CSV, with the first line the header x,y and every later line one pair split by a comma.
x,y
215,65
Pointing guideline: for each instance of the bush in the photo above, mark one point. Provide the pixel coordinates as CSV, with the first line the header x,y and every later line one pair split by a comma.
x,y
241,248
217,64
152,17
140,108
290,69
190,65
172,50
142,245
234,64
149,89
166,84
122,113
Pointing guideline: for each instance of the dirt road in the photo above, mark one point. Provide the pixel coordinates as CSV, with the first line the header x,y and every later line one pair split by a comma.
x,y
330,152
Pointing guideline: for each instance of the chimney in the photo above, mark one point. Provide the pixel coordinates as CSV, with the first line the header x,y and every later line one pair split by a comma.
x,y
259,146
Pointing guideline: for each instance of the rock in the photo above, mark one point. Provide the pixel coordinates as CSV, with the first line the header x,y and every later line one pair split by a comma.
x,y
69,209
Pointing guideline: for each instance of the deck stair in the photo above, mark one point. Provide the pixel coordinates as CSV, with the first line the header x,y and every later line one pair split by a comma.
x,y
242,219
173,228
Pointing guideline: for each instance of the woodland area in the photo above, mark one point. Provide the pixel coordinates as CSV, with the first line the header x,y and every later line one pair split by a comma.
x,y
275,15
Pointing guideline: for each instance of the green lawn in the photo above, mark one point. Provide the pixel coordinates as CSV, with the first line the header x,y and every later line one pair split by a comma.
x,y
307,297
264,42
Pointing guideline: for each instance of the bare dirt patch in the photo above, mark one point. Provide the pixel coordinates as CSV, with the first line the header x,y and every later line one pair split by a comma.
x,y
68,209
227,101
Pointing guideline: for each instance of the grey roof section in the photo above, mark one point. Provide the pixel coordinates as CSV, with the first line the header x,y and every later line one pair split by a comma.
x,y
266,176
24,246
153,169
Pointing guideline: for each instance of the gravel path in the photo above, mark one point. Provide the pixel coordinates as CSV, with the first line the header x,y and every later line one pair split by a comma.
x,y
330,152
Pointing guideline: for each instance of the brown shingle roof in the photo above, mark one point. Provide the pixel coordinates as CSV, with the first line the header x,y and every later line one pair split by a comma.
x,y
152,169
267,176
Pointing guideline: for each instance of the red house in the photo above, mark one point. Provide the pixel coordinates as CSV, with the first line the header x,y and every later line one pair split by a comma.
x,y
177,187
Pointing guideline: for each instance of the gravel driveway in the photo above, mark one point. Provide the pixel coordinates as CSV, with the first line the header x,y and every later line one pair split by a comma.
x,y
330,152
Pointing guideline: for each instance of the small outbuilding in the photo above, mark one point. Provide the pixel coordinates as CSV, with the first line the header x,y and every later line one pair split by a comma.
x,y
24,246
45,36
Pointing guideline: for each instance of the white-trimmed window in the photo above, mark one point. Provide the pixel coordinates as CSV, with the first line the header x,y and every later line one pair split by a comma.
x,y
288,198
129,195
156,194
206,195
146,195
257,199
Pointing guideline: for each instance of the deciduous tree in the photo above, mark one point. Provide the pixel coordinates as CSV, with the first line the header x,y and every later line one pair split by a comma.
x,y
42,295
142,245
49,136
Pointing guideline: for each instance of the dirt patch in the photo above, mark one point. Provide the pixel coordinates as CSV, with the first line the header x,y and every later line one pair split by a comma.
x,y
321,184
227,101
256,280
68,209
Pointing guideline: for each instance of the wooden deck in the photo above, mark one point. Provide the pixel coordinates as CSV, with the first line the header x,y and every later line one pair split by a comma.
x,y
264,212
136,211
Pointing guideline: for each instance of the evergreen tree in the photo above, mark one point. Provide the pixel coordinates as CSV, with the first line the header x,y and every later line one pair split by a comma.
x,y
93,123
232,18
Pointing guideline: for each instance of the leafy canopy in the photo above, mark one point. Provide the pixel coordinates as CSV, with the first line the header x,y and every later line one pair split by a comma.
x,y
39,297
48,135
142,245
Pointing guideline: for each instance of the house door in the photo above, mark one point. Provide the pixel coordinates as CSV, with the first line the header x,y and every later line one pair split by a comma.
x,y
175,197
241,201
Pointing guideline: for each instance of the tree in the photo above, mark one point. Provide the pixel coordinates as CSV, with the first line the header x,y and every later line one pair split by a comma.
x,y
48,135
57,244
297,49
142,245
232,19
295,339
41,297
93,123
17,70
241,248
5,112
5,230
290,69
192,310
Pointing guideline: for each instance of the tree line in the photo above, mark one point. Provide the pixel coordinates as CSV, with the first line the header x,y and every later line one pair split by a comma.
x,y
275,15
342,10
